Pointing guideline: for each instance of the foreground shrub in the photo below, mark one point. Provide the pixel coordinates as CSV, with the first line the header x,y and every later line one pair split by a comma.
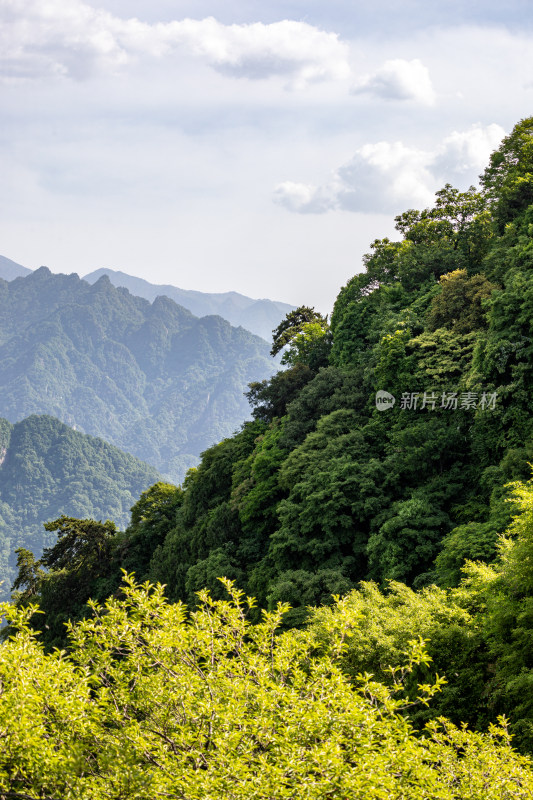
x,y
151,702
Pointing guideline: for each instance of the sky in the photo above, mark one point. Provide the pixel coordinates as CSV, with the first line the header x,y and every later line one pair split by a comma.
x,y
240,145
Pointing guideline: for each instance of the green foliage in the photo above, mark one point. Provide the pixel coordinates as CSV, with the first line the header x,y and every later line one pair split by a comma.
x,y
328,490
75,566
269,399
29,575
459,306
508,179
208,519
305,338
151,517
382,623
475,541
407,539
148,703
506,589
293,325
82,546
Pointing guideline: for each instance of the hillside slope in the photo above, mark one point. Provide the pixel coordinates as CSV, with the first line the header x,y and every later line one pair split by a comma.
x,y
381,466
48,469
326,487
9,270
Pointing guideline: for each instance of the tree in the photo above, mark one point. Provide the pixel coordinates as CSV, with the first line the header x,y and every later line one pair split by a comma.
x,y
304,334
29,575
83,544
269,399
151,702
449,218
459,305
152,516
77,567
508,180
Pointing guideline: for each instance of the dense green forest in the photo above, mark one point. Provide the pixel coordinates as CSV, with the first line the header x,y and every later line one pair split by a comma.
x,y
48,469
323,488
359,524
149,378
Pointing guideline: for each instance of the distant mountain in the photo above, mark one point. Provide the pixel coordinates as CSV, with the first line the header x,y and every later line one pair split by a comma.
x,y
150,378
48,469
9,270
258,316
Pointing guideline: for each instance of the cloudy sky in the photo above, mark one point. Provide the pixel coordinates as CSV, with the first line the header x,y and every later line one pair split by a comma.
x,y
245,145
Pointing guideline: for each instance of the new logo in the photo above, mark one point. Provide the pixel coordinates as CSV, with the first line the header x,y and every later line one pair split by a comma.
x,y
384,400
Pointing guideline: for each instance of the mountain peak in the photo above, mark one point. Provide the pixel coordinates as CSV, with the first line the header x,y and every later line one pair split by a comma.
x,y
41,272
102,282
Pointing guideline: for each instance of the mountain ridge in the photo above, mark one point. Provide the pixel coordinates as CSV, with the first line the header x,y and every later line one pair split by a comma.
x,y
257,315
9,270
260,316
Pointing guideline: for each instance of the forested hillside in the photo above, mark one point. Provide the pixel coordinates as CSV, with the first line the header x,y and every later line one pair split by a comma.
x,y
324,489
394,450
48,469
150,378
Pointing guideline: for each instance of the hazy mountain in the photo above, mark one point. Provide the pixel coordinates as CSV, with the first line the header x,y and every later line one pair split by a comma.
x,y
148,377
258,316
9,270
48,469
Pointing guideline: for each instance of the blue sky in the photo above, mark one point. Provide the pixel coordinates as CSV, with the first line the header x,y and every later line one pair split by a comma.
x,y
259,147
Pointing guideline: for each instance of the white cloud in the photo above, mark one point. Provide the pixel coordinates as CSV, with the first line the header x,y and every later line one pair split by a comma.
x,y
465,151
258,50
389,176
304,198
43,37
399,79
54,37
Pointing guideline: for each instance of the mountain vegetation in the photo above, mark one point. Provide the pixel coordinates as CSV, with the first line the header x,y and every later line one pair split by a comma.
x,y
46,470
258,316
147,702
378,507
150,378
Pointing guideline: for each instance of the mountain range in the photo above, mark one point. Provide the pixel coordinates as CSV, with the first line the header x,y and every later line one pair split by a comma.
x,y
258,316
150,378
